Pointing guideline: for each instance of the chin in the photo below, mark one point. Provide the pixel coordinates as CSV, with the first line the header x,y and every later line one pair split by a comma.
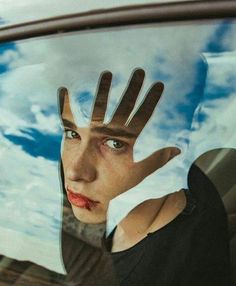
x,y
89,217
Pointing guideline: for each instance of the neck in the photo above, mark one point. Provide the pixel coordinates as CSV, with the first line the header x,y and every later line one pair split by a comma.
x,y
142,216
147,217
136,224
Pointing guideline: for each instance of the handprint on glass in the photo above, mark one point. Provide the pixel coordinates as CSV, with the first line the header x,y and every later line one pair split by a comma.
x,y
98,161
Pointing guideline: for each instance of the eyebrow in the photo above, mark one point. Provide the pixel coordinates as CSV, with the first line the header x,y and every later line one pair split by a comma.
x,y
68,123
117,132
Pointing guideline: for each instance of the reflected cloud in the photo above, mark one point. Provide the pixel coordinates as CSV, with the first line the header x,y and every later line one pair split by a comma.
x,y
49,147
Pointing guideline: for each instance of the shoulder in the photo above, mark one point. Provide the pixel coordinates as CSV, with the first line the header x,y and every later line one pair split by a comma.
x,y
206,196
208,255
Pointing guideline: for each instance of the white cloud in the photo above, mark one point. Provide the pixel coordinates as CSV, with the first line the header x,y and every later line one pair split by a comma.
x,y
8,56
31,202
28,180
218,106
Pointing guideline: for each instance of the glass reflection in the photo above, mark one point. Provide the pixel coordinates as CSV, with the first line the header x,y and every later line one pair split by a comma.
x,y
195,115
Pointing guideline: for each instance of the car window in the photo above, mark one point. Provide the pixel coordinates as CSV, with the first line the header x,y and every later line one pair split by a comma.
x,y
49,81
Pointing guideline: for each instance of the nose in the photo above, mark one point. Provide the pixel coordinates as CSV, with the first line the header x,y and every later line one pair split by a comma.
x,y
82,166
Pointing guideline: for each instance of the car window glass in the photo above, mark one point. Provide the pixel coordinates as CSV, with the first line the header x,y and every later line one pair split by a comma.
x,y
190,66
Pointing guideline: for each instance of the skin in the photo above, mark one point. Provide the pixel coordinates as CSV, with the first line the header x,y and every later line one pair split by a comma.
x,y
148,217
98,160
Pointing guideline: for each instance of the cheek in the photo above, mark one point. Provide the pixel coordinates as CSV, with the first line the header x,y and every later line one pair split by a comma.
x,y
68,152
118,176
65,157
118,165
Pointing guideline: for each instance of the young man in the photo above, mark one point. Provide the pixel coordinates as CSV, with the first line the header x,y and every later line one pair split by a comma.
x,y
161,241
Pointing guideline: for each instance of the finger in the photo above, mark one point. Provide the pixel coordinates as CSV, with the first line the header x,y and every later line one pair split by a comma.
x,y
100,104
145,110
158,159
61,94
64,105
129,98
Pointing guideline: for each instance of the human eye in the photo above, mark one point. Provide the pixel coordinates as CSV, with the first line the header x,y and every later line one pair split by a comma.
x,y
116,145
71,134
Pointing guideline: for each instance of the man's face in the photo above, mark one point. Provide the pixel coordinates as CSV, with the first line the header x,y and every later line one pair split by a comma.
x,y
98,165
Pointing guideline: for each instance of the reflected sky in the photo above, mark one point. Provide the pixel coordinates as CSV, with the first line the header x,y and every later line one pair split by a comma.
x,y
197,65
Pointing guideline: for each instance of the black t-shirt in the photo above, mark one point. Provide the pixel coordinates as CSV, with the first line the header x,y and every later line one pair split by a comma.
x,y
191,250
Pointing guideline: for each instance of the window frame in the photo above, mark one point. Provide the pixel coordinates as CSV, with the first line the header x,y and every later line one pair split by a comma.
x,y
120,16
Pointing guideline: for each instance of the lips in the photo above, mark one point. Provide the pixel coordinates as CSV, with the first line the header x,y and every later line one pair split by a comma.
x,y
80,200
